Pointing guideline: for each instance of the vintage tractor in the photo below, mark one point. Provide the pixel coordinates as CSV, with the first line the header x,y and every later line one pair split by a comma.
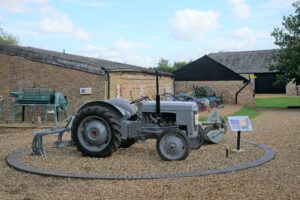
x,y
99,128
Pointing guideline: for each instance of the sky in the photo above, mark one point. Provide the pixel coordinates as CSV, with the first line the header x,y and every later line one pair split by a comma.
x,y
141,32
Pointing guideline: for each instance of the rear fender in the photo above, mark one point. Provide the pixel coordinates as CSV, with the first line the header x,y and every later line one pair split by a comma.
x,y
117,111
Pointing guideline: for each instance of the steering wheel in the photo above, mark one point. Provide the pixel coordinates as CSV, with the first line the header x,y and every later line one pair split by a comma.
x,y
138,101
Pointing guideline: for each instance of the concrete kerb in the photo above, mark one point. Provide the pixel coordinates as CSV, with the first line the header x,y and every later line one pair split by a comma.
x,y
268,155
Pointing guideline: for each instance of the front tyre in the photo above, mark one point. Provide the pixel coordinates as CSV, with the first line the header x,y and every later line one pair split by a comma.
x,y
173,144
96,132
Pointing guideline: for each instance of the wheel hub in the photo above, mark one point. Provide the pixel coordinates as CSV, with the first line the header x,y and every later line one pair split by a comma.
x,y
95,133
173,145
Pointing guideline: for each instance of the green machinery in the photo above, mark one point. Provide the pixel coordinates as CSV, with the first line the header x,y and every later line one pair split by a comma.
x,y
37,97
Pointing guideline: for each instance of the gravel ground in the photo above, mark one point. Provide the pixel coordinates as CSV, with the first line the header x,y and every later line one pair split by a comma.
x,y
278,179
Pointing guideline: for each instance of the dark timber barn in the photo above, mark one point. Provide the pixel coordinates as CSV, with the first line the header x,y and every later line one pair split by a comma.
x,y
256,63
208,72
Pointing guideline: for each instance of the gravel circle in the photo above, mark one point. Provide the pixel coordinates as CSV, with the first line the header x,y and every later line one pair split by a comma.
x,y
19,159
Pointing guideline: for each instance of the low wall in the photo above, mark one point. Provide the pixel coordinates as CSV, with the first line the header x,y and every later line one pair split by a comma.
x,y
226,89
291,89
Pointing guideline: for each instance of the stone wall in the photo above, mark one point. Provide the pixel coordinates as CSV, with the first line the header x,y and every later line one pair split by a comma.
x,y
133,85
291,89
226,89
17,73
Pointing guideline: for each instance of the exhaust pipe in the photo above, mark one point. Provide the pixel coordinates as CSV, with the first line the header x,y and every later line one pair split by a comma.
x,y
157,98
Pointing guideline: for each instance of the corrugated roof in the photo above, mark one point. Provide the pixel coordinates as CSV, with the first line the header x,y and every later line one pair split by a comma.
x,y
246,61
206,69
88,64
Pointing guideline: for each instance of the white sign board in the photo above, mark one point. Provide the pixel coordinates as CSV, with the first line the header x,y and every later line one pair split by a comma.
x,y
85,90
240,123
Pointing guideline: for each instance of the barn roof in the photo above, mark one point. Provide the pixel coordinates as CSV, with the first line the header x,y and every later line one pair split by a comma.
x,y
83,63
245,62
206,69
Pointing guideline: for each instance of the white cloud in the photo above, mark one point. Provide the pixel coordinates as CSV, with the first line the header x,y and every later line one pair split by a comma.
x,y
120,26
244,32
122,44
190,25
243,39
121,51
278,4
21,6
241,8
97,4
239,40
63,25
89,3
53,20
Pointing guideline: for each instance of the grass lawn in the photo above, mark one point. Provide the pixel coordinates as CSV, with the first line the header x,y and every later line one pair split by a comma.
x,y
245,111
277,102
272,102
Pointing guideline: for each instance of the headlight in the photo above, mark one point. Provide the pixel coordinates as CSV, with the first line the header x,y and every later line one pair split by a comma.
x,y
196,120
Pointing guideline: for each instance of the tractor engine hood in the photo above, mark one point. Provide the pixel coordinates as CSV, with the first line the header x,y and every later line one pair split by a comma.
x,y
167,106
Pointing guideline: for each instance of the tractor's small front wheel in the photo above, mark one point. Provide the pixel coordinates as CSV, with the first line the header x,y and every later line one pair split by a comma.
x,y
173,144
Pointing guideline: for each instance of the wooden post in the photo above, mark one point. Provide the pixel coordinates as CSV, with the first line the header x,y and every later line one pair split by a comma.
x,y
23,113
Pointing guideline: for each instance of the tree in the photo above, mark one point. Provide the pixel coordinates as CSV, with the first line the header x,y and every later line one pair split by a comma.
x,y
178,65
7,38
287,58
164,66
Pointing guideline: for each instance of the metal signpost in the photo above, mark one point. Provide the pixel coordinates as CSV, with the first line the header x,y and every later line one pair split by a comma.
x,y
238,124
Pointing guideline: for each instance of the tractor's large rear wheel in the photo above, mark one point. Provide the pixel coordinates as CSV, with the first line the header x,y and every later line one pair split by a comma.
x,y
96,131
173,144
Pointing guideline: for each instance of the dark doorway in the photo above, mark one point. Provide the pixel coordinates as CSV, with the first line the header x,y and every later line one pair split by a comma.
x,y
264,84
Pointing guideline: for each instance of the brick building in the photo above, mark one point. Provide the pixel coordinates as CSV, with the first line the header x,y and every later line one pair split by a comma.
x,y
23,67
208,72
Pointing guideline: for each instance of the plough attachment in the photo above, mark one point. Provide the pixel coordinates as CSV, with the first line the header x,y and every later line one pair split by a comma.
x,y
215,127
37,142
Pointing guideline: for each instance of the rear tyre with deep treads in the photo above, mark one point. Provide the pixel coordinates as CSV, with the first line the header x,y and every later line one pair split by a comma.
x,y
96,131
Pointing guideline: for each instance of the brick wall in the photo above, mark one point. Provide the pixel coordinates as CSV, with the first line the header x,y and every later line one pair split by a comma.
x,y
17,73
136,84
226,89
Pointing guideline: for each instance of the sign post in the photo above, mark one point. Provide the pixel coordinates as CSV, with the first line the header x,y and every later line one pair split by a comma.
x,y
238,124
238,143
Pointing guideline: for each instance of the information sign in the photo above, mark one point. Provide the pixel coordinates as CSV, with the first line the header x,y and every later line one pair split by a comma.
x,y
85,90
240,123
